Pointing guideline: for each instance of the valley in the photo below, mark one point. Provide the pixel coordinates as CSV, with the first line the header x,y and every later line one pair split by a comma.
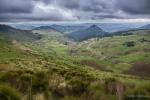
x,y
83,63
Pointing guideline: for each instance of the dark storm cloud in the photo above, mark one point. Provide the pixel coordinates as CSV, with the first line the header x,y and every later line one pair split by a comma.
x,y
16,6
87,5
57,10
45,1
70,4
134,6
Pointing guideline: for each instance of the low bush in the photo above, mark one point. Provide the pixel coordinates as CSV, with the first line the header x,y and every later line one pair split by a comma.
x,y
39,82
110,85
138,93
77,86
8,93
129,44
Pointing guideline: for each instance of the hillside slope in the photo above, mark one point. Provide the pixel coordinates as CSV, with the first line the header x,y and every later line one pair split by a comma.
x,y
68,28
91,32
11,33
145,27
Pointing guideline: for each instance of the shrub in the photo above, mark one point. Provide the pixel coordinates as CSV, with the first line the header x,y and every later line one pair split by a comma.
x,y
129,44
96,91
77,87
92,64
8,93
110,85
70,98
143,40
138,93
40,82
16,79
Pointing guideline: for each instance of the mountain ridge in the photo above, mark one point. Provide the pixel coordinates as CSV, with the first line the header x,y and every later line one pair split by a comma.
x,y
11,33
90,32
145,27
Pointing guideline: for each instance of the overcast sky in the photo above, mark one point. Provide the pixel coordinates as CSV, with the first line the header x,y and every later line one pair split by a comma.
x,y
74,10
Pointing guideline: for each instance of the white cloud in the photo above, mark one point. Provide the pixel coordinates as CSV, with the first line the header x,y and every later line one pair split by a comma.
x,y
50,11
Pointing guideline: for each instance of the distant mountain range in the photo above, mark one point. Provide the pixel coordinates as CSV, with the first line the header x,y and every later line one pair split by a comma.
x,y
69,28
108,27
77,32
23,27
91,32
11,33
145,27
44,28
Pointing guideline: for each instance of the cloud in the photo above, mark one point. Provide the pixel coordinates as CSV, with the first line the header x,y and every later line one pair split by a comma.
x,y
52,12
16,6
134,6
64,10
40,12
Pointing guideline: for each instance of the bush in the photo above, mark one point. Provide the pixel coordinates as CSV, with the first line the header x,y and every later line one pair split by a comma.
x,y
8,93
143,40
40,82
129,44
77,87
110,85
16,79
138,93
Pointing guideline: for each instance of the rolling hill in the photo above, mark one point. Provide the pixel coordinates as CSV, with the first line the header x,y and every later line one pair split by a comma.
x,y
11,33
44,28
68,28
145,27
91,32
47,30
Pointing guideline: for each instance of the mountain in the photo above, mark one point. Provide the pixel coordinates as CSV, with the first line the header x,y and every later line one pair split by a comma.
x,y
44,28
23,26
11,33
145,27
115,27
92,31
67,28
47,30
49,35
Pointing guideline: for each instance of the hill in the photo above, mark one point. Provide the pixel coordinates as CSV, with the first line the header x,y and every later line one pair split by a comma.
x,y
44,28
145,27
11,33
47,30
23,26
68,28
91,32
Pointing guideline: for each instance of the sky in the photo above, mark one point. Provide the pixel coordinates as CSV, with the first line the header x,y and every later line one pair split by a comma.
x,y
74,10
